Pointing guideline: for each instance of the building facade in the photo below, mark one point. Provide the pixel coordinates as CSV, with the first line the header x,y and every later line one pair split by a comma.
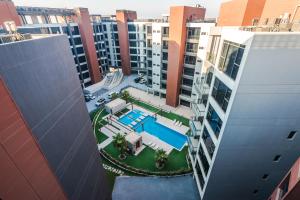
x,y
247,137
48,150
248,12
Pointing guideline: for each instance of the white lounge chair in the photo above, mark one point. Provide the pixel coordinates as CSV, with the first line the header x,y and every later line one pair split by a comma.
x,y
174,121
149,143
180,123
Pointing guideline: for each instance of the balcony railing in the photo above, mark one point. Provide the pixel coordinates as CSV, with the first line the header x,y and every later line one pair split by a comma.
x,y
194,137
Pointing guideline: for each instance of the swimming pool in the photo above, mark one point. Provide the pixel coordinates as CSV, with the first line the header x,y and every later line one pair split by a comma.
x,y
175,139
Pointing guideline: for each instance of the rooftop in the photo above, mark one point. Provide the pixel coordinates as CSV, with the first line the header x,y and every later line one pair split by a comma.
x,y
158,188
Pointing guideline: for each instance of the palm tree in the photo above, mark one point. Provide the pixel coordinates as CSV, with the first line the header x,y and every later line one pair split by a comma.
x,y
114,96
120,143
161,158
126,95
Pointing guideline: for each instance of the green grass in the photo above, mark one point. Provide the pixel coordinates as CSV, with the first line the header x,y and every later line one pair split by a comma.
x,y
145,160
101,137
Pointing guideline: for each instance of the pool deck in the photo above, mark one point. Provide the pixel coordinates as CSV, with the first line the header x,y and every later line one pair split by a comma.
x,y
155,142
159,102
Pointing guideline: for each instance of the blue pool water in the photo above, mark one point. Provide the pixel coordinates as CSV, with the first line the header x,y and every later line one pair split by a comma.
x,y
175,139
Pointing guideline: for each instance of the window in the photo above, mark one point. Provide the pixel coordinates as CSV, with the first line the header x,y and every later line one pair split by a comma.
x,y
265,176
230,59
199,175
188,71
186,92
132,36
191,60
165,56
191,47
214,120
203,159
132,44
291,135
115,27
165,44
210,146
82,59
277,158
209,78
131,28
187,82
165,31
79,50
221,94
77,41
193,33
133,51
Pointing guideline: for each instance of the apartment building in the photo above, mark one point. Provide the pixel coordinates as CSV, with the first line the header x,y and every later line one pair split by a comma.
x,y
48,150
247,137
289,187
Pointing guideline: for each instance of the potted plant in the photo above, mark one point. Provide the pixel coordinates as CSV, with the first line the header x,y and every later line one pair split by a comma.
x,y
161,158
120,143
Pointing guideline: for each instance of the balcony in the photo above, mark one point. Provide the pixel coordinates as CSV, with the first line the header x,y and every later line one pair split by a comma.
x,y
198,109
194,137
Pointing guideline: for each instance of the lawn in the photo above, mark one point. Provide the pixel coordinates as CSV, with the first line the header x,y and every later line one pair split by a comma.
x,y
101,137
125,110
145,160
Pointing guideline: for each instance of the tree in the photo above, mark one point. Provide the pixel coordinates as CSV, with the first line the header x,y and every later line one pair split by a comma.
x,y
120,143
126,96
114,96
161,158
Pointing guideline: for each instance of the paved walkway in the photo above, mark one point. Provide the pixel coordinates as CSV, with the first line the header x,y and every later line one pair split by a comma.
x,y
159,102
105,143
158,188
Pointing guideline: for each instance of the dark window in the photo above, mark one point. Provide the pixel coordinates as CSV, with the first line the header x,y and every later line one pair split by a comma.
x,y
132,43
165,31
104,27
210,146
133,64
199,175
265,176
133,51
230,59
209,78
214,120
133,58
186,92
75,30
191,60
191,47
131,27
132,36
193,33
185,103
77,41
277,158
84,67
164,66
79,50
291,135
221,94
85,75
115,27
165,56
82,59
55,30
188,71
203,159
187,82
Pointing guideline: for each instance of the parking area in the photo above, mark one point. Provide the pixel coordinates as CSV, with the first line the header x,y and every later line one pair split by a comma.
x,y
128,81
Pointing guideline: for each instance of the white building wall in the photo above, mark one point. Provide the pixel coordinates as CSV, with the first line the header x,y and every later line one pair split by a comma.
x,y
264,107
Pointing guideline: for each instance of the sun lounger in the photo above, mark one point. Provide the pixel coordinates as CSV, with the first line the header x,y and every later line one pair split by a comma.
x,y
144,114
138,120
180,123
133,123
149,143
142,117
130,125
174,121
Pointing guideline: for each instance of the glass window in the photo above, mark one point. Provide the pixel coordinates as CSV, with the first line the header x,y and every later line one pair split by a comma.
x,y
77,41
191,47
165,56
191,60
210,146
193,33
131,28
132,36
221,94
203,159
230,59
214,120
199,175
133,51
